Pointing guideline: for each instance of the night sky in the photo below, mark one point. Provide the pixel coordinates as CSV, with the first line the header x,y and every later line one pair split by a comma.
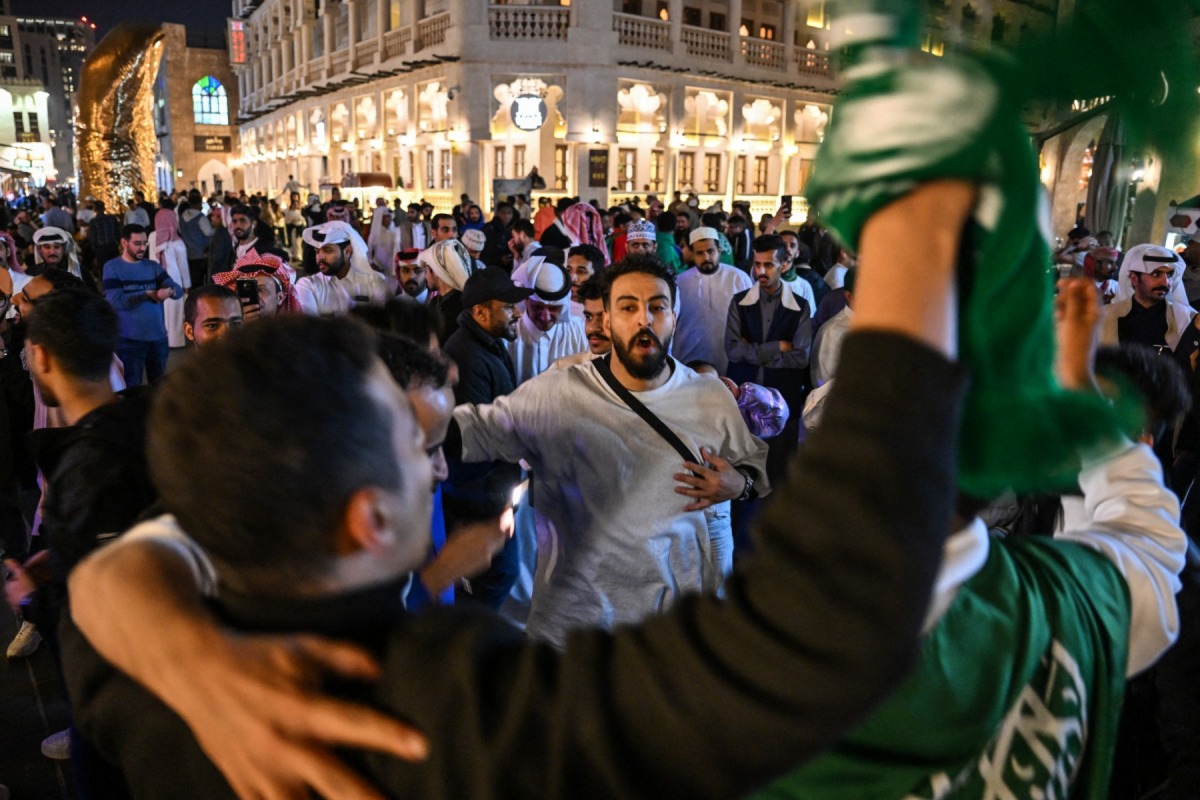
x,y
200,15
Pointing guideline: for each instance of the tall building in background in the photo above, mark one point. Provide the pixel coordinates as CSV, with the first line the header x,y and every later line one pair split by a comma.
x,y
605,98
51,50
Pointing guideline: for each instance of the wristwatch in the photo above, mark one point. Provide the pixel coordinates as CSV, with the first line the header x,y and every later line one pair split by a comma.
x,y
748,491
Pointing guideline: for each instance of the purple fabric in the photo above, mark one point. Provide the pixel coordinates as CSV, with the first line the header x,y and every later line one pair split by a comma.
x,y
764,410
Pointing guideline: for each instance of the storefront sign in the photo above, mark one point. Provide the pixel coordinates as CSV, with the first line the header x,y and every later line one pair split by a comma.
x,y
214,144
597,169
529,112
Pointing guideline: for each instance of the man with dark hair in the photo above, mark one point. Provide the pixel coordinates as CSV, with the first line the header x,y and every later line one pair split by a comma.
x,y
444,227
665,248
104,234
243,224
644,549
768,336
209,313
498,232
705,291
137,287
740,241
799,273
521,243
479,491
197,232
94,469
415,233
584,261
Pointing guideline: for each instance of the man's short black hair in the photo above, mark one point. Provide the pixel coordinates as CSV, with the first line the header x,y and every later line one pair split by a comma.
x,y
641,264
850,280
523,226
61,279
505,204
592,288
214,290
803,251
129,230
591,253
405,318
621,218
665,222
772,243
79,330
244,210
413,364
713,219
257,443
736,219
1160,382
437,218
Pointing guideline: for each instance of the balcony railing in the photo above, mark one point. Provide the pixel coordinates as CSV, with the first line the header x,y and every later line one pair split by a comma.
x,y
395,42
432,31
365,51
528,22
703,43
341,61
813,62
635,31
763,53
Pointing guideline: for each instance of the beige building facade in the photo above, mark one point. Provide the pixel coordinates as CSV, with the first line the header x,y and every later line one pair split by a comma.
x,y
606,99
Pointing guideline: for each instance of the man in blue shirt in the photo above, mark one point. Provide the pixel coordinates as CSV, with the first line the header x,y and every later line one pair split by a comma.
x,y
136,287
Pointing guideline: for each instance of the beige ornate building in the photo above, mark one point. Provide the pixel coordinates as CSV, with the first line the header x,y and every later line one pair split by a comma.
x,y
606,98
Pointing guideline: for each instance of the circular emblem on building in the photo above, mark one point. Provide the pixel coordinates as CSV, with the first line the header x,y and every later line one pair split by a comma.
x,y
529,112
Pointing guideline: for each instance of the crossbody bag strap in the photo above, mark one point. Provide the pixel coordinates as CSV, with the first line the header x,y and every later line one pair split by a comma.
x,y
635,405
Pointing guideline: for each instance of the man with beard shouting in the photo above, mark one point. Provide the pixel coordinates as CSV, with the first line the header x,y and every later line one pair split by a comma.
x,y
626,524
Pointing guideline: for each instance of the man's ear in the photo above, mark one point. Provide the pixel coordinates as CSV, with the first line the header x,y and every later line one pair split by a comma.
x,y
40,360
364,523
189,332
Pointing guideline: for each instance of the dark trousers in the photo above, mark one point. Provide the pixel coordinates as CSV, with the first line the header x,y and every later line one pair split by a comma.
x,y
198,270
138,356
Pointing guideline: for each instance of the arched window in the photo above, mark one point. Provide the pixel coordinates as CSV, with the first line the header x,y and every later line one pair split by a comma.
x,y
210,104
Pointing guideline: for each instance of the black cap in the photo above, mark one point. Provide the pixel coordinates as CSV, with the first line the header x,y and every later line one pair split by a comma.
x,y
492,283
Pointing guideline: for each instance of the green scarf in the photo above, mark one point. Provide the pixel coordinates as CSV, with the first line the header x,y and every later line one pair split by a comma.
x,y
904,118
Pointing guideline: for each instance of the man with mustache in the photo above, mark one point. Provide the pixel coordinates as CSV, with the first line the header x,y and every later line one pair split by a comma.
x,y
629,527
1150,306
705,291
410,274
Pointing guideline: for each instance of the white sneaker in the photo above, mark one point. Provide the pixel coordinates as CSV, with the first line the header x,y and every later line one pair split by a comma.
x,y
26,642
58,745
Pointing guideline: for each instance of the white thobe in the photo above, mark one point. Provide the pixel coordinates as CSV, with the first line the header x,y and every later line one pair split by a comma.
x,y
827,346
327,296
534,351
703,313
614,543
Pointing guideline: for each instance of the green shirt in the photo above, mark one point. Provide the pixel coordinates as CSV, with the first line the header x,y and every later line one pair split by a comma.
x,y
1018,686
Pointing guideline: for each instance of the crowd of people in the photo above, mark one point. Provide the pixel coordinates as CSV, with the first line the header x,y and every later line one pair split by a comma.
x,y
704,560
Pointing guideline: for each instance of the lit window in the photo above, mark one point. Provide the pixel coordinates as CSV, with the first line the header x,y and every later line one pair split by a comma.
x,y
210,104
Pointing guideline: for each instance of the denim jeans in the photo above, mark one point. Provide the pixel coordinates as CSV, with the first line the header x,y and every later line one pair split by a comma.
x,y
137,355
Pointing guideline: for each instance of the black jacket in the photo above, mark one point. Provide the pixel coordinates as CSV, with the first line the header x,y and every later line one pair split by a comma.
x,y
485,372
710,700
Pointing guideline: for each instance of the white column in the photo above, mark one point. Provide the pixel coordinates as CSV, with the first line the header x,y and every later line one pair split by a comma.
x,y
735,24
789,34
418,14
